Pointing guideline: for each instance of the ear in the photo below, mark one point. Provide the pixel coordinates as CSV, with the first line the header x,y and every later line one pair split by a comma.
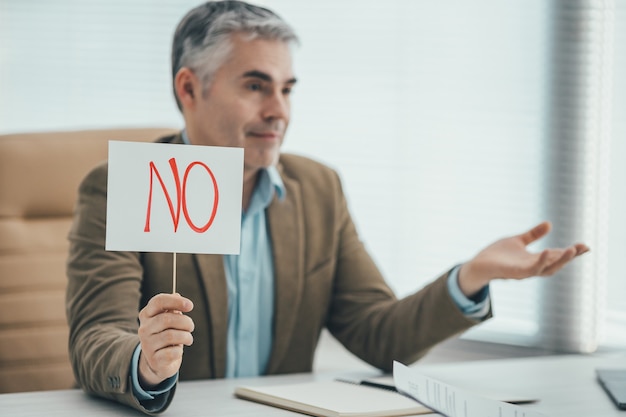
x,y
188,87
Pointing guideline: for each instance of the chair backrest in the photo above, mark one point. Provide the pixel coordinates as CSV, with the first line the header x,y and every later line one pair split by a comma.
x,y
39,178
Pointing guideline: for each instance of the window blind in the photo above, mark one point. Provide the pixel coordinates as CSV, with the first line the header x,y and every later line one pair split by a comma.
x,y
434,113
577,170
80,64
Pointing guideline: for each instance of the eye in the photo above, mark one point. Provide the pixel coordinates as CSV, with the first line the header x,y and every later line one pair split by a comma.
x,y
255,87
287,91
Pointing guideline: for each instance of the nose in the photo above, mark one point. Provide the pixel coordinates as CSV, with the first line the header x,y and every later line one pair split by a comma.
x,y
277,107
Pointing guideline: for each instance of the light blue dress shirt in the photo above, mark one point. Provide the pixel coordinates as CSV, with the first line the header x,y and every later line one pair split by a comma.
x,y
250,282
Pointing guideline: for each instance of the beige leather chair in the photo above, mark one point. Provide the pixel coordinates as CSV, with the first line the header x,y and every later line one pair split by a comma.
x,y
39,177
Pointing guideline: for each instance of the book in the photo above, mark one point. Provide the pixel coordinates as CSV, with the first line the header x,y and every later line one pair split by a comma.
x,y
334,399
450,400
386,382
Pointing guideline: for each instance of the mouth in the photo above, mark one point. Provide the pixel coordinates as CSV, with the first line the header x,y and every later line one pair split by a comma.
x,y
266,135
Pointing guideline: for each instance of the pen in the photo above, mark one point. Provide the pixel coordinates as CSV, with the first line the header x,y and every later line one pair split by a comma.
x,y
369,384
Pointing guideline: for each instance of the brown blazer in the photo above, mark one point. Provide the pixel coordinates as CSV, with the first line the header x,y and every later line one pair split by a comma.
x,y
324,278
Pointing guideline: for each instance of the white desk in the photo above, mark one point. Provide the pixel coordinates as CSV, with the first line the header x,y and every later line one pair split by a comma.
x,y
565,385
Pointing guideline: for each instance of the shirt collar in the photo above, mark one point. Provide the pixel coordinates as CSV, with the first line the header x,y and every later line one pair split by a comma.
x,y
183,134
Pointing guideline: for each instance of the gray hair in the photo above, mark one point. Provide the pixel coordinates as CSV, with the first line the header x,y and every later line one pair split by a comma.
x,y
202,38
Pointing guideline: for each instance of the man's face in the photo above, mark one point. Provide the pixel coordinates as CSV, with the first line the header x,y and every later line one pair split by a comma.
x,y
247,103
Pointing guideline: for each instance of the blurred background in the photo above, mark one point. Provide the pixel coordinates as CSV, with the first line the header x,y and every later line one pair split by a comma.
x,y
451,123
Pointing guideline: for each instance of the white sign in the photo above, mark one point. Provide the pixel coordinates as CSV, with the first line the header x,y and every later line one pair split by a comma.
x,y
174,198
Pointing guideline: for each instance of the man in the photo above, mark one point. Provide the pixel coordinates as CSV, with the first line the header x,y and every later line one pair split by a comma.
x,y
301,268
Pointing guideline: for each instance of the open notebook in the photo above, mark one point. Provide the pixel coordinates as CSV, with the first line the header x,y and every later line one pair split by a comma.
x,y
344,398
334,399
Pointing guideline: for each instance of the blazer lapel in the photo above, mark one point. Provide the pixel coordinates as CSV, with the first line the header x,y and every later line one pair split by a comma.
x,y
285,218
211,269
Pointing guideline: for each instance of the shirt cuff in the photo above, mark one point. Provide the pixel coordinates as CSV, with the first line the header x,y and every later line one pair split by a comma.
x,y
478,306
142,395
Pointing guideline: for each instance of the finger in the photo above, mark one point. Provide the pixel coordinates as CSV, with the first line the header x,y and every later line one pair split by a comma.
x,y
581,248
172,337
164,321
157,342
536,233
173,320
540,264
164,302
567,255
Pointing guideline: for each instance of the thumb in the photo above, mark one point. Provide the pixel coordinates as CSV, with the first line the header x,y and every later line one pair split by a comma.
x,y
536,233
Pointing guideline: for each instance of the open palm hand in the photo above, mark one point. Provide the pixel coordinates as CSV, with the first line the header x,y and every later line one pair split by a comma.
x,y
509,258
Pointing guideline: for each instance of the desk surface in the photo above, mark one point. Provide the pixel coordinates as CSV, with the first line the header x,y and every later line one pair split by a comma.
x,y
565,385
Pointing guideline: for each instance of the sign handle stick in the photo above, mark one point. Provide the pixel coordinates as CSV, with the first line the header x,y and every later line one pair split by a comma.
x,y
174,275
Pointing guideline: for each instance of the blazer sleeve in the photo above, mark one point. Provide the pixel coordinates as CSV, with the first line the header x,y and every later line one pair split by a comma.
x,y
365,315
102,301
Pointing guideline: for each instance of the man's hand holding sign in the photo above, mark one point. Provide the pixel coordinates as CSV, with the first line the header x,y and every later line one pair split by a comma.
x,y
171,198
